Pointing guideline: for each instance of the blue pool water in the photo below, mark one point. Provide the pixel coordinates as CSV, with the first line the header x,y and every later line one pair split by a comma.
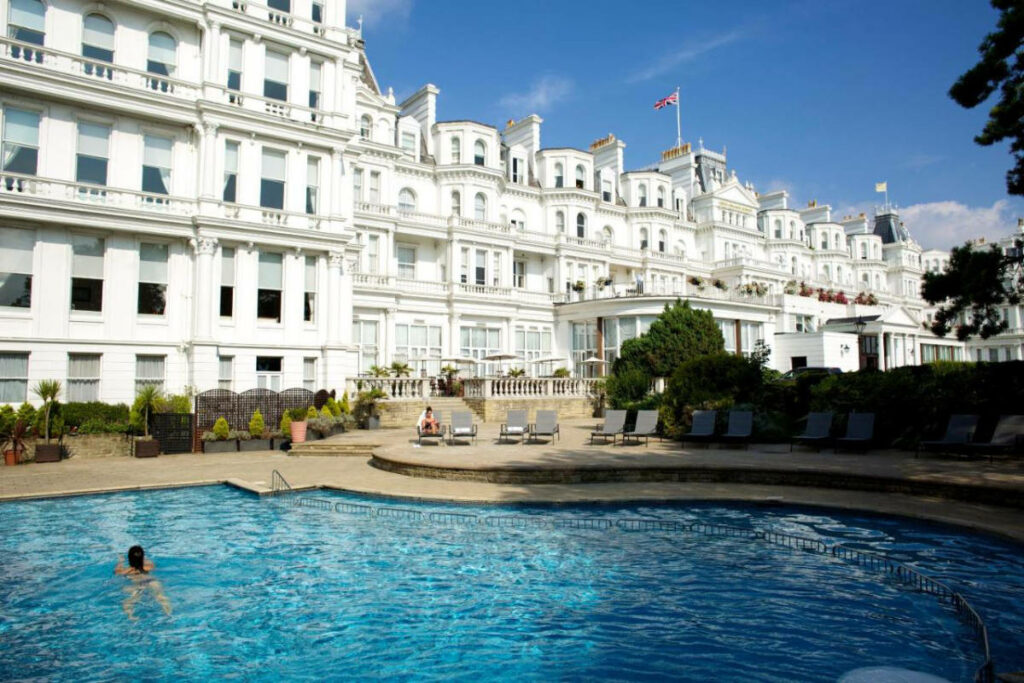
x,y
263,589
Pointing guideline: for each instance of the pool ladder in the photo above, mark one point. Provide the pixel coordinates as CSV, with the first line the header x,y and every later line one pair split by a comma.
x,y
278,484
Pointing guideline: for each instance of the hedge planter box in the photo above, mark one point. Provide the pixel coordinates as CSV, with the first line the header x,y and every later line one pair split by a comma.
x,y
147,449
313,436
47,452
256,445
225,446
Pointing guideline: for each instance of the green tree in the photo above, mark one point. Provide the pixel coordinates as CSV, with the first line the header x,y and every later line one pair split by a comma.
x,y
399,369
221,428
48,390
972,288
679,334
256,424
147,401
1001,67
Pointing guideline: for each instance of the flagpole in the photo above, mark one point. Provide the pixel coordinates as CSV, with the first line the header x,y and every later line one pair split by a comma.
x,y
679,130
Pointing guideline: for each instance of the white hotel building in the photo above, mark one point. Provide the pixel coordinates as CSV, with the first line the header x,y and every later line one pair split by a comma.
x,y
217,193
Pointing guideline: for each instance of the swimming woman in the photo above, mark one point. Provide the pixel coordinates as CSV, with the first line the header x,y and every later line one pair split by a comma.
x,y
138,570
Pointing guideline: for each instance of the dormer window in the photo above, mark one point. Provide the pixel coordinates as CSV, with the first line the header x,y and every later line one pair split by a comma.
x,y
365,126
559,175
642,194
606,190
456,150
580,177
479,153
581,225
778,229
517,170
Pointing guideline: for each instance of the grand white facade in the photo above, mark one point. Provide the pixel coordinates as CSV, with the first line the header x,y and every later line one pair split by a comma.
x,y
218,193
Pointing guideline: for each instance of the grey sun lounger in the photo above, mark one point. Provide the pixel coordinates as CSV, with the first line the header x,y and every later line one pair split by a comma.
x,y
515,426
546,425
817,433
741,427
439,434
646,427
860,430
1008,438
462,427
703,427
614,423
959,432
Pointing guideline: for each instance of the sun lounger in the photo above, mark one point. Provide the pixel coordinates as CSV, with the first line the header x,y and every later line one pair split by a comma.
x,y
860,430
959,432
703,427
515,426
741,427
646,427
817,433
614,423
439,434
1008,438
462,427
546,425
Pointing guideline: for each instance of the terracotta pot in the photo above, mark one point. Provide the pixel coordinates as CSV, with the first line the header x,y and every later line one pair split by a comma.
x,y
298,432
11,457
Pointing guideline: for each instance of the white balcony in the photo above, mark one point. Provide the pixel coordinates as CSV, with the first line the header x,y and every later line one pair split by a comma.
x,y
18,185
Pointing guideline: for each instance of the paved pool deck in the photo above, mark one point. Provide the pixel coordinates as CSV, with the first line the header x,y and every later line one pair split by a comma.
x,y
571,471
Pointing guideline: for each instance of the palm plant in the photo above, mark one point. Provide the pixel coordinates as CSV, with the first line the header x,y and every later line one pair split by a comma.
x,y
399,369
146,403
378,371
48,390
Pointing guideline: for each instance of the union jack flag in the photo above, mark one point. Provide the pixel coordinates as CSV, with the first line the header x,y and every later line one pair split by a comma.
x,y
665,101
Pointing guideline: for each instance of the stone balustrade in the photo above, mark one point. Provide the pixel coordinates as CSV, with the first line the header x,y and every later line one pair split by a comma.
x,y
395,388
417,389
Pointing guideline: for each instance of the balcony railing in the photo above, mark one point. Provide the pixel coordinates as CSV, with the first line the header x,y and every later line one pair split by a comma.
x,y
273,107
686,291
529,387
61,190
101,72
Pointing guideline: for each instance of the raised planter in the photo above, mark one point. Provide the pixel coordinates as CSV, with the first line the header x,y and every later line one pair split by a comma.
x,y
373,422
48,452
256,445
312,435
225,446
147,449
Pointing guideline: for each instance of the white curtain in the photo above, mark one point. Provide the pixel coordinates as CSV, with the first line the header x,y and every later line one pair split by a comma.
x,y
235,56
88,254
153,263
313,171
310,273
226,370
149,369
314,76
157,154
273,165
98,31
163,49
30,14
13,377
16,247
21,127
93,139
227,267
270,271
83,377
277,67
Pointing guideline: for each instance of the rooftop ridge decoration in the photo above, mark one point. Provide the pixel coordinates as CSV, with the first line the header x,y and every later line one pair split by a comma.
x,y
677,151
602,142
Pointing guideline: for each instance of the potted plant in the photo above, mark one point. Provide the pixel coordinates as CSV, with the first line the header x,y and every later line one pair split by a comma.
x,y
562,373
147,402
399,369
48,390
365,410
259,438
12,441
516,372
720,284
297,428
218,440
579,286
378,371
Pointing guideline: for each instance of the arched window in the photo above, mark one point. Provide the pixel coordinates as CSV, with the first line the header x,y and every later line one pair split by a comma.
x,y
456,150
863,251
479,153
824,241
406,200
608,234
835,242
480,207
642,194
792,229
559,221
27,23
559,175
581,225
661,197
456,203
98,38
365,127
580,176
865,279
662,240
518,220
828,273
162,57
643,238
778,229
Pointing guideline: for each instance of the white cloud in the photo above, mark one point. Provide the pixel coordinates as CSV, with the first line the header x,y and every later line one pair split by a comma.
x,y
689,52
373,11
942,225
545,92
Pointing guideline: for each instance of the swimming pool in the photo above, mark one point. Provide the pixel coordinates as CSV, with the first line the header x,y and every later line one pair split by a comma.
x,y
264,589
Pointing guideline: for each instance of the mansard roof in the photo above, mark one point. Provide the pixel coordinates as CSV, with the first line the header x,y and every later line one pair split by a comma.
x,y
889,227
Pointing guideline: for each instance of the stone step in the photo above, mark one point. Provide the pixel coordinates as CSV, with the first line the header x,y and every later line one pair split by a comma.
x,y
333,448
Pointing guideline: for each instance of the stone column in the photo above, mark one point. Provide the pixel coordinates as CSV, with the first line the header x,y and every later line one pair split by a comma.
x,y
335,302
208,162
337,188
205,248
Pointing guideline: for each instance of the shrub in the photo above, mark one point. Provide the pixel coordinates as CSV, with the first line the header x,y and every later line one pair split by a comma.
x,y
345,408
175,403
77,413
332,406
221,429
286,423
256,425
95,425
677,335
715,381
239,434
366,405
311,413
7,418
26,413
627,387
560,372
326,414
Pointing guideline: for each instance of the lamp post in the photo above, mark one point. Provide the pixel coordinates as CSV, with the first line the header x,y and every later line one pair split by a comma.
x,y
859,326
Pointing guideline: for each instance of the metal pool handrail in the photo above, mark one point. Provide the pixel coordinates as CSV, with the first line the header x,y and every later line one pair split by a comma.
x,y
278,483
903,573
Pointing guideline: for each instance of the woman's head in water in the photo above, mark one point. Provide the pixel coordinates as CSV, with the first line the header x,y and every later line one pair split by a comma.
x,y
137,558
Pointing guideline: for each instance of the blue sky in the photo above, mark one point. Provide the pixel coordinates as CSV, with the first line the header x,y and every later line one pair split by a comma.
x,y
822,99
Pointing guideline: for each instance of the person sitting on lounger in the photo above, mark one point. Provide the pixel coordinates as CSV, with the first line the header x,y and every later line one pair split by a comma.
x,y
428,425
138,570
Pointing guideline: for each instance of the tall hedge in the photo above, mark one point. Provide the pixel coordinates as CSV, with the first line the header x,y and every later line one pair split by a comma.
x,y
715,381
679,334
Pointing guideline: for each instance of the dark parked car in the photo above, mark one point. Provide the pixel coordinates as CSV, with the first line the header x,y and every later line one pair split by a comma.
x,y
808,370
